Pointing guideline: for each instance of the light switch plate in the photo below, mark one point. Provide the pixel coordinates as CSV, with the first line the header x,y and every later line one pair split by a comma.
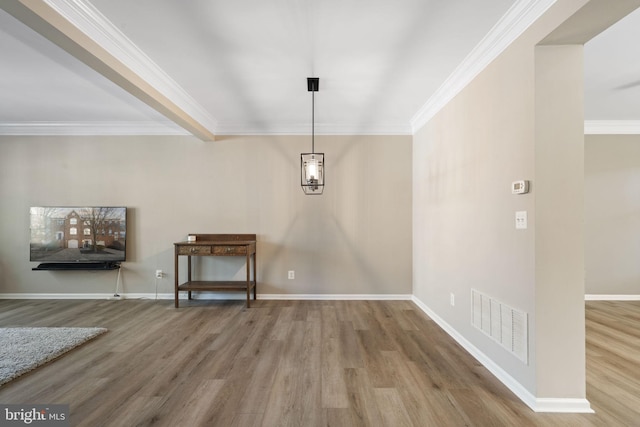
x,y
521,220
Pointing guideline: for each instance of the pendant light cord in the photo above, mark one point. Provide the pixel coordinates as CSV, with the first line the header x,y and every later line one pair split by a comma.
x,y
313,121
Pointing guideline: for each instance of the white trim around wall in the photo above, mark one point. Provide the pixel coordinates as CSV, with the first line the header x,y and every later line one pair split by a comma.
x,y
212,296
169,128
536,404
90,128
602,297
78,296
612,127
353,297
320,129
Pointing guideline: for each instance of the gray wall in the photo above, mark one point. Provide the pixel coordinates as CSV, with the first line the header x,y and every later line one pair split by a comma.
x,y
612,214
559,222
355,239
498,130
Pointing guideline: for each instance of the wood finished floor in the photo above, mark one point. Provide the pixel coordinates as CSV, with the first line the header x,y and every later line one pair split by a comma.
x,y
300,363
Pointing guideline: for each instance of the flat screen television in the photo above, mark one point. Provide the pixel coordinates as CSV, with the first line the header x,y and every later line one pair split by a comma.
x,y
84,235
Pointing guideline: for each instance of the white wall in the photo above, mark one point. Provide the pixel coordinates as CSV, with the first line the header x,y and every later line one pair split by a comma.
x,y
612,214
354,239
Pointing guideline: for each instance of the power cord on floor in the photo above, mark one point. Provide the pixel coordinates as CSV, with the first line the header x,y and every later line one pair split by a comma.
x,y
116,294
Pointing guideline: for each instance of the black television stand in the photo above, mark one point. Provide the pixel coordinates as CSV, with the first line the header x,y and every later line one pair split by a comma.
x,y
91,266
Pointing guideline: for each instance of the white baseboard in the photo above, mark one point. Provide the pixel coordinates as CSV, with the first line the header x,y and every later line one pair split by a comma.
x,y
536,404
212,296
240,296
54,296
344,297
574,406
603,297
124,295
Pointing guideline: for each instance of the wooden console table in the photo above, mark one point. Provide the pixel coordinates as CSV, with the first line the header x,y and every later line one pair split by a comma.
x,y
217,245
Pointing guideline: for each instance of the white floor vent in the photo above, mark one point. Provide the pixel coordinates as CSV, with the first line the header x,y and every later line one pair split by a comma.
x,y
504,324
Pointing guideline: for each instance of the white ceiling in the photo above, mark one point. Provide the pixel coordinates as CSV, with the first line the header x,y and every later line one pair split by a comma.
x,y
241,66
41,82
612,72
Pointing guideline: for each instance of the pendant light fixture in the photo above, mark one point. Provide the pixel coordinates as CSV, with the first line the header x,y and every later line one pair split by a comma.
x,y
312,164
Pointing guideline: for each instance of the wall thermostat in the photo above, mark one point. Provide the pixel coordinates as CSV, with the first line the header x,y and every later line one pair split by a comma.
x,y
519,187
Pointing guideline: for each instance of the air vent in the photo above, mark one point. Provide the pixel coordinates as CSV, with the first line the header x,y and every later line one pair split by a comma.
x,y
505,325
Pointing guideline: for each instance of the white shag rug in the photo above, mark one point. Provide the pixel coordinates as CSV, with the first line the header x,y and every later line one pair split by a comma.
x,y
24,349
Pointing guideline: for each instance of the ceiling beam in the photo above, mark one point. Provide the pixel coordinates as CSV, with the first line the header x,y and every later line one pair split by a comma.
x,y
78,28
592,19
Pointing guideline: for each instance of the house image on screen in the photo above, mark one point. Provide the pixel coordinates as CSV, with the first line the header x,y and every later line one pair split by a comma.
x,y
86,230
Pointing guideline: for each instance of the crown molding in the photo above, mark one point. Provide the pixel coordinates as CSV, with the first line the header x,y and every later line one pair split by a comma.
x,y
90,21
320,129
609,297
90,128
116,128
612,127
517,19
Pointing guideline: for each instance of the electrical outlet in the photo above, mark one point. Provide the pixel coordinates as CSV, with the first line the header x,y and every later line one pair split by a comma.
x,y
159,274
292,275
452,299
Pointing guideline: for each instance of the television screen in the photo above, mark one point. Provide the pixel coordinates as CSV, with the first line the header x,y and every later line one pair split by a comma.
x,y
78,234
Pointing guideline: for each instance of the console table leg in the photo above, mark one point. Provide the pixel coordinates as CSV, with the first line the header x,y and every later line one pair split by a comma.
x,y
248,278
175,264
255,278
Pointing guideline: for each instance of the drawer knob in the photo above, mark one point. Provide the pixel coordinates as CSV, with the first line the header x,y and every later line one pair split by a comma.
x,y
194,251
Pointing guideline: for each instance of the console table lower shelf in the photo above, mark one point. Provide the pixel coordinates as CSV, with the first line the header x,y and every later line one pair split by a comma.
x,y
210,285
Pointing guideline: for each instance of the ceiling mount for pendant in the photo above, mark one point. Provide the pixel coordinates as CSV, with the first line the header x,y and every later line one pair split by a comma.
x,y
313,84
312,164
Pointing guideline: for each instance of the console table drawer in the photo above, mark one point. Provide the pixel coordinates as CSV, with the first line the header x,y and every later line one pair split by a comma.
x,y
229,250
194,250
